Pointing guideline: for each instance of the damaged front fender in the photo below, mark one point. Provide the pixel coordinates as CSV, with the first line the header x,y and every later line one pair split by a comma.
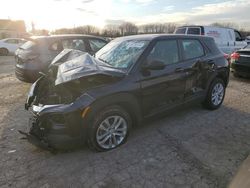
x,y
79,104
58,126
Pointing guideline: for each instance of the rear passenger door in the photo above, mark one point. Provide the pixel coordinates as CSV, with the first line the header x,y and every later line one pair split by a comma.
x,y
193,58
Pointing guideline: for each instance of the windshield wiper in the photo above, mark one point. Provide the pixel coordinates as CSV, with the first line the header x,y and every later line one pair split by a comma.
x,y
104,61
107,64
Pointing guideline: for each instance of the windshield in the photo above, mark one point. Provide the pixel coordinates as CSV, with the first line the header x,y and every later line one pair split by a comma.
x,y
122,54
247,46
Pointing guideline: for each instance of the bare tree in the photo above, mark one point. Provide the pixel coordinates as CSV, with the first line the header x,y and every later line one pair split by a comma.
x,y
170,27
226,24
87,29
158,28
128,28
111,30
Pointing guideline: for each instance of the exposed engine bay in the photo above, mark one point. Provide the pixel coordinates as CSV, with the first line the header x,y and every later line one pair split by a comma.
x,y
71,74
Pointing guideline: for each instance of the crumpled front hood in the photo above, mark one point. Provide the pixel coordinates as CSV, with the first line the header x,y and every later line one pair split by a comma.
x,y
74,64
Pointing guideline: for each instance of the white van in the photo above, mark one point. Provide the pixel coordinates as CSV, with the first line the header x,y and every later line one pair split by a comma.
x,y
227,39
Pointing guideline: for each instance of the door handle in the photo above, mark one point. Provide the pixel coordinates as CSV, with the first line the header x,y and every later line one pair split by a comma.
x,y
179,70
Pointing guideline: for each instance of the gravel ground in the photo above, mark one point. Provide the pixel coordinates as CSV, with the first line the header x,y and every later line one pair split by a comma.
x,y
191,147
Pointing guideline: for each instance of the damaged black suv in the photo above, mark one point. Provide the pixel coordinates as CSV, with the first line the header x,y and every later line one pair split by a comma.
x,y
98,99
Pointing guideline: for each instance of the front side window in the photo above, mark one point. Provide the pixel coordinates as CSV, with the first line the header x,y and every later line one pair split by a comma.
x,y
122,53
165,51
237,36
192,49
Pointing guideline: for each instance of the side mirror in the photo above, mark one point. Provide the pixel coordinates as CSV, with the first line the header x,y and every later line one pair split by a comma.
x,y
154,65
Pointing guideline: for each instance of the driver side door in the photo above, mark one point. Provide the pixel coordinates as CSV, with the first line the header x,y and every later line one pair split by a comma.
x,y
162,89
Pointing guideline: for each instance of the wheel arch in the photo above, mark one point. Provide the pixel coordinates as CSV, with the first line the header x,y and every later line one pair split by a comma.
x,y
127,101
6,49
222,73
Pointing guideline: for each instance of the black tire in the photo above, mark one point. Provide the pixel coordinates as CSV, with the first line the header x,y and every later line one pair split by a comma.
x,y
4,51
98,119
208,102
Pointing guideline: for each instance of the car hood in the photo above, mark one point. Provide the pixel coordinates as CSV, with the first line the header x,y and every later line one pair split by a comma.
x,y
74,64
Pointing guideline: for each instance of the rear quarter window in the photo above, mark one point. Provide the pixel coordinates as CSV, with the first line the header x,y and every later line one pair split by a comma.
x,y
210,43
181,30
192,48
96,44
194,31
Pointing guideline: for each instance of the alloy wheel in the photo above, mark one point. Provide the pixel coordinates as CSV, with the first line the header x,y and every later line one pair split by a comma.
x,y
217,94
111,132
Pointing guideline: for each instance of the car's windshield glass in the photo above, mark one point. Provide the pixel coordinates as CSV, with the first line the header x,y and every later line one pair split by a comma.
x,y
122,54
247,46
28,45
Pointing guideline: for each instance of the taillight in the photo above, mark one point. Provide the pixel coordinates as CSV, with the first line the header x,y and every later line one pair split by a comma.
x,y
235,56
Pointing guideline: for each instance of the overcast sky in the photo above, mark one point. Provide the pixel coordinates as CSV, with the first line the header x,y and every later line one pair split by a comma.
x,y
52,14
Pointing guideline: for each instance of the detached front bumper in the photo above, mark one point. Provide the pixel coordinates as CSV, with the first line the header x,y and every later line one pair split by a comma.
x,y
36,141
52,132
58,126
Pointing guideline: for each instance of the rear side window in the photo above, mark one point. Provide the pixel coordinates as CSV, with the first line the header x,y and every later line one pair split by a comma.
x,y
96,44
210,43
56,46
165,51
192,48
194,31
77,44
12,41
181,30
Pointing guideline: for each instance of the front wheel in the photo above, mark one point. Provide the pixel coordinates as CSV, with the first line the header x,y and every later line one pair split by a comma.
x,y
215,95
110,128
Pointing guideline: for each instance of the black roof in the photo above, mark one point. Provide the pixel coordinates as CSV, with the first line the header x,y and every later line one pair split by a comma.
x,y
157,36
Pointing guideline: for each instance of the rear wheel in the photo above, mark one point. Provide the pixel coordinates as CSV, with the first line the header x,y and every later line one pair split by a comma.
x,y
109,129
215,95
4,51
